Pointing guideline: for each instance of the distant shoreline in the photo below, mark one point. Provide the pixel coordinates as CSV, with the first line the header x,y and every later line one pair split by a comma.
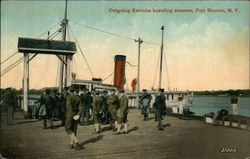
x,y
220,96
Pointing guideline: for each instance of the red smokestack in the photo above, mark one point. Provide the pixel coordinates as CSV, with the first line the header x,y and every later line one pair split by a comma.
x,y
119,75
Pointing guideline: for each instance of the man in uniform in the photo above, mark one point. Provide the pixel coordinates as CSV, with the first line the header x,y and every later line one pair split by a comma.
x,y
54,102
160,107
145,102
113,105
86,101
10,101
105,117
62,104
46,102
122,113
97,111
72,114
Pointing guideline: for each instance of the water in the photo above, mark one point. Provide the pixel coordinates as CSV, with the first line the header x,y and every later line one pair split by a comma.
x,y
203,105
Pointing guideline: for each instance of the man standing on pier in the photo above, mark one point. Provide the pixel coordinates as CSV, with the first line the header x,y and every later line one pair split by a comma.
x,y
145,102
122,113
10,101
97,111
160,107
113,105
105,115
45,110
62,104
73,111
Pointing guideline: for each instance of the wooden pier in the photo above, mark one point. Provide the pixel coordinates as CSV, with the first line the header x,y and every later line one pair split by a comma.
x,y
181,139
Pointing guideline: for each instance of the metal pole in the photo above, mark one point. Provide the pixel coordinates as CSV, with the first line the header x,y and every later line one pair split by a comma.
x,y
25,83
61,77
162,29
140,41
68,70
62,65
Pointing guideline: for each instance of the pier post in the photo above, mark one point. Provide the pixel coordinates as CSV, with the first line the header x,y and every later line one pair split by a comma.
x,y
68,70
25,83
61,70
234,102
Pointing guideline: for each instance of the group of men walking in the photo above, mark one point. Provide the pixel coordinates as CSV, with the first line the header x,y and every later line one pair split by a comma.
x,y
76,106
159,106
50,106
117,108
114,106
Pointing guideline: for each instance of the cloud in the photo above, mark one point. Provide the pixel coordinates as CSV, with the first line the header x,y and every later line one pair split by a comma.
x,y
203,54
215,57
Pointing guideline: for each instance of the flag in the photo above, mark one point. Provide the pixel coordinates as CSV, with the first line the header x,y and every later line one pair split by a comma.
x,y
133,84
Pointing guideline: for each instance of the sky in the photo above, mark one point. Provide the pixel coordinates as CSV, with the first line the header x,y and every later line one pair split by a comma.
x,y
202,50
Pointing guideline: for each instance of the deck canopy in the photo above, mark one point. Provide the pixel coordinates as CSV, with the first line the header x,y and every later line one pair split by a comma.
x,y
42,46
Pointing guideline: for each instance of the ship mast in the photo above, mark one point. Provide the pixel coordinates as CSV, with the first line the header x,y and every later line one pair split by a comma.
x,y
63,69
160,75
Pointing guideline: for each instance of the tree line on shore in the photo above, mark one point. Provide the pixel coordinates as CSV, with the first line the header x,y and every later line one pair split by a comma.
x,y
238,92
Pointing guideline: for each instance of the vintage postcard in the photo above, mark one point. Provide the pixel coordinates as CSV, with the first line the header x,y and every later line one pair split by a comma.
x,y
125,79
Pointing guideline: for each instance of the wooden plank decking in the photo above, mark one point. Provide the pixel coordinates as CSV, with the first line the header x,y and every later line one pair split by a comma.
x,y
181,139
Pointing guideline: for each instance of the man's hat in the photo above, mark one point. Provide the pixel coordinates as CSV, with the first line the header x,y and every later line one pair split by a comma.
x,y
83,88
71,89
122,91
105,91
97,92
47,90
161,89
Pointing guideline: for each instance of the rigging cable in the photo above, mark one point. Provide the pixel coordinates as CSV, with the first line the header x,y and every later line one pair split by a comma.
x,y
81,51
57,33
52,26
89,27
113,34
75,65
112,80
166,68
156,68
131,64
68,34
13,65
9,57
108,76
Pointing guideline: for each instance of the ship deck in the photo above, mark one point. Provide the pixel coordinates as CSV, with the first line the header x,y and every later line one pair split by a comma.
x,y
181,139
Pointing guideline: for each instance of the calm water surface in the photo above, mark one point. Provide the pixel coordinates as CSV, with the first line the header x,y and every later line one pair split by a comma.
x,y
203,105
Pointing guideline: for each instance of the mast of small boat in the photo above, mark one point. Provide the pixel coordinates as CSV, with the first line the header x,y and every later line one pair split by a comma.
x,y
160,75
63,72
